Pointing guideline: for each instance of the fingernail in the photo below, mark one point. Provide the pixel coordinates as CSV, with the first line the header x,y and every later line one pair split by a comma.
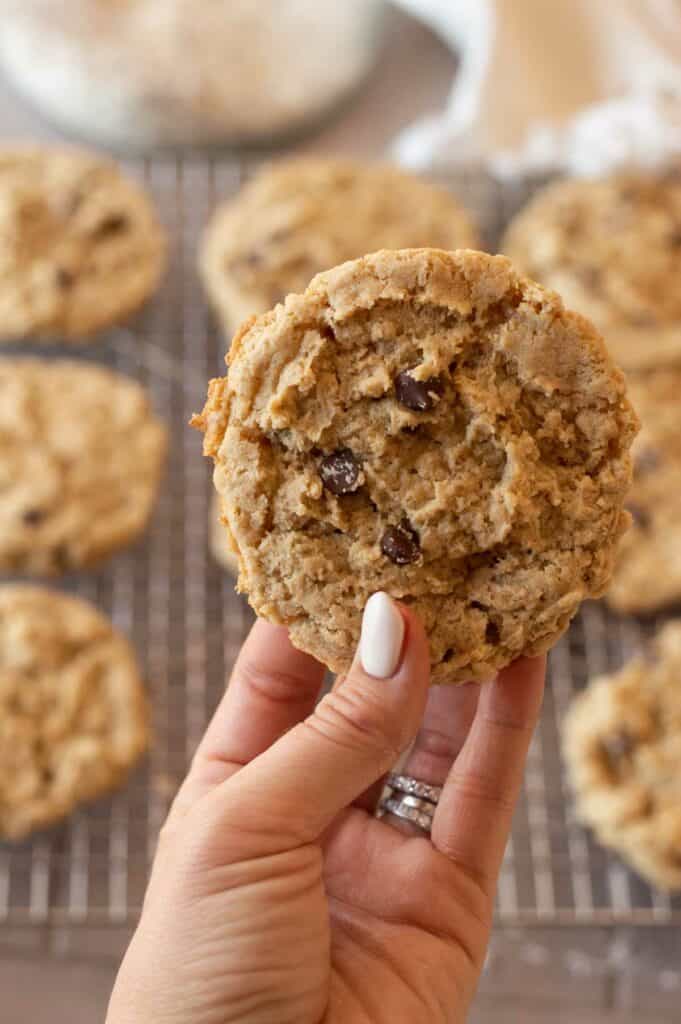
x,y
380,643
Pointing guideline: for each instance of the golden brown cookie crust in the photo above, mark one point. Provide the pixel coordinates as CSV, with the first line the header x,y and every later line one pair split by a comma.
x,y
81,456
73,715
298,217
612,249
622,743
221,544
432,425
80,245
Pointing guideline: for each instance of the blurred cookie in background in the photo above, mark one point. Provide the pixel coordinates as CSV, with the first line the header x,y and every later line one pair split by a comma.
x,y
73,715
81,456
220,540
149,73
612,249
298,217
622,745
648,570
80,246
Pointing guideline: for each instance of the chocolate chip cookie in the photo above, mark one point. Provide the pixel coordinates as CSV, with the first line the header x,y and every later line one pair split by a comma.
x,y
648,569
612,249
298,217
81,455
80,246
622,741
72,709
432,425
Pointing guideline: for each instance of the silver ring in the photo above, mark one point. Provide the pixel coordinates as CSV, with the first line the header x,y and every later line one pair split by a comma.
x,y
410,799
407,784
403,807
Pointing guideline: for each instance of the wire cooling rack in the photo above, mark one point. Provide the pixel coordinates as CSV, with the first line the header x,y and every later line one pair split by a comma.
x,y
186,623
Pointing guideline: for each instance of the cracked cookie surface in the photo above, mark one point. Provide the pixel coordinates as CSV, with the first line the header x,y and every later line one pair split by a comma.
x,y
612,249
80,246
72,708
622,742
81,455
432,425
298,217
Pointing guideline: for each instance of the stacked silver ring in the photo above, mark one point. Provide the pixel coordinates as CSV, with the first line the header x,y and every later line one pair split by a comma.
x,y
410,799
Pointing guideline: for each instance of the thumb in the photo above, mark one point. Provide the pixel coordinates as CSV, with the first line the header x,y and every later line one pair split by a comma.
x,y
292,792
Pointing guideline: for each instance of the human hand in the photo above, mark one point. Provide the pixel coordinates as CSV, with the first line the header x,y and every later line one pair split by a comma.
x,y
277,897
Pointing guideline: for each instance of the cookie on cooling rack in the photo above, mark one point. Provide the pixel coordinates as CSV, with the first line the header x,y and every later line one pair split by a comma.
x,y
298,217
432,425
612,249
221,543
622,743
648,570
73,715
80,245
81,455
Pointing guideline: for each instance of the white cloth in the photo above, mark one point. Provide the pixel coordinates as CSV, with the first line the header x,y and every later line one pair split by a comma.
x,y
576,85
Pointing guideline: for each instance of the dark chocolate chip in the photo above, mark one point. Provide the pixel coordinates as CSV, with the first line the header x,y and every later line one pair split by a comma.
x,y
33,516
646,461
642,320
64,278
639,515
618,747
417,395
492,634
112,225
448,655
340,471
61,558
401,544
591,278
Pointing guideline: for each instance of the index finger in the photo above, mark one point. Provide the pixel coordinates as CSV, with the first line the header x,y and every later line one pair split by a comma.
x,y
474,815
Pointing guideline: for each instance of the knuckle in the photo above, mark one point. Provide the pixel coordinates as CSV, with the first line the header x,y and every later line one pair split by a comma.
x,y
274,685
478,788
358,721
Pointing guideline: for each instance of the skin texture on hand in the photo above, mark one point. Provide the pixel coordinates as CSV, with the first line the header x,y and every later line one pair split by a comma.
x,y
277,898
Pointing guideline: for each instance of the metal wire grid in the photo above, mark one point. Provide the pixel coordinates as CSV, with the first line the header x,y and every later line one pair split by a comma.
x,y
187,624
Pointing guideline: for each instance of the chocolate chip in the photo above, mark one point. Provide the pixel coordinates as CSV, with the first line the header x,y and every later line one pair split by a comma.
x,y
618,747
417,395
33,516
674,239
401,544
340,471
448,655
646,461
642,320
64,278
492,634
112,225
639,515
591,278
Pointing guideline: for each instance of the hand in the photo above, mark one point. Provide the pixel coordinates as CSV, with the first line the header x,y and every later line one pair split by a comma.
x,y
276,896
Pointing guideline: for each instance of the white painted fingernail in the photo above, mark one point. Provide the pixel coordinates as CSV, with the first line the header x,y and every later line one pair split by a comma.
x,y
380,643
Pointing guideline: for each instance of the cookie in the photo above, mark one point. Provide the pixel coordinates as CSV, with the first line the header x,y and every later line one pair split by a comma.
x,y
612,249
72,709
81,455
622,743
221,544
298,217
431,425
80,246
648,570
